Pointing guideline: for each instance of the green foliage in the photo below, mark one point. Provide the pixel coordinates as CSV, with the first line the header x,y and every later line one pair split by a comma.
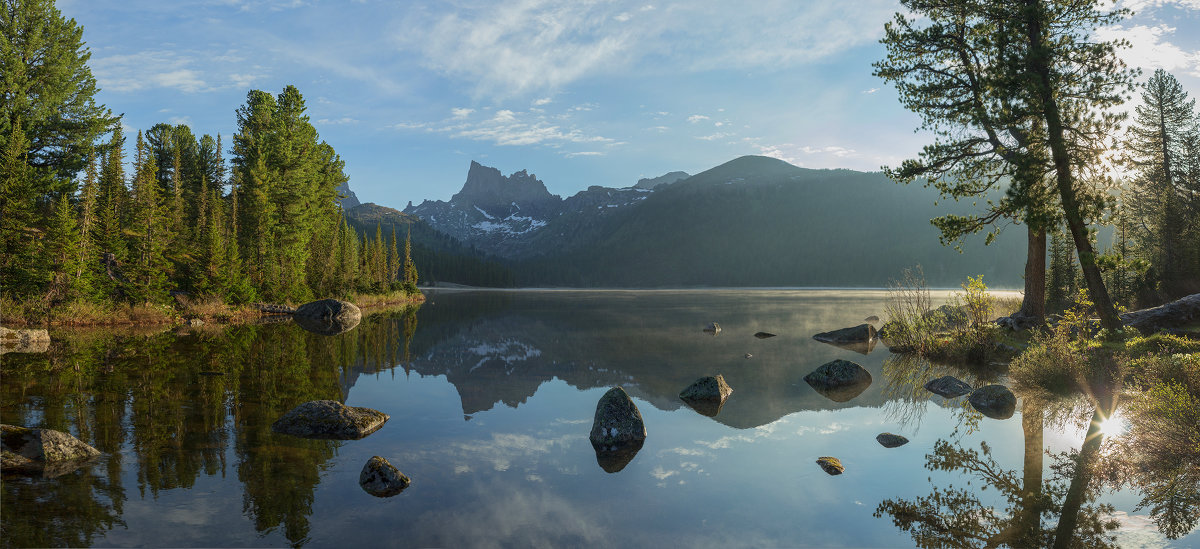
x,y
909,327
49,91
1067,359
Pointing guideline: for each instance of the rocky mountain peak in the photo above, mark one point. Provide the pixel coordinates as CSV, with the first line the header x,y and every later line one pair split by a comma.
x,y
665,179
489,190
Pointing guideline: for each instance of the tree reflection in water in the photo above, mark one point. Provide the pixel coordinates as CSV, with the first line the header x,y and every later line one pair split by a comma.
x,y
1035,507
178,403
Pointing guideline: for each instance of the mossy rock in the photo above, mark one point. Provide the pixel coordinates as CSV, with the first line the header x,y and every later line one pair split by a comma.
x,y
329,419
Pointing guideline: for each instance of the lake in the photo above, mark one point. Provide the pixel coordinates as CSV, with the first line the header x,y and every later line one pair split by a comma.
x,y
491,396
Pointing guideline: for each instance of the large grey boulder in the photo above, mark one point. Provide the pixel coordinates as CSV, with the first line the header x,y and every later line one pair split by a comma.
x,y
617,421
329,419
831,465
24,341
382,479
41,451
856,334
948,386
707,395
994,401
839,380
328,316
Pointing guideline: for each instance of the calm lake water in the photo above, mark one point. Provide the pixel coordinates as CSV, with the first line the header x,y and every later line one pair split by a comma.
x,y
491,396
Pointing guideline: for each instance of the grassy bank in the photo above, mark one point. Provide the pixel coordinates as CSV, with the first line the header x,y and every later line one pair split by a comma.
x,y
210,310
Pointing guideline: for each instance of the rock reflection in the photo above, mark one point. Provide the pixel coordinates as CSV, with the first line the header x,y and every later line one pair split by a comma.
x,y
326,327
614,457
860,347
705,406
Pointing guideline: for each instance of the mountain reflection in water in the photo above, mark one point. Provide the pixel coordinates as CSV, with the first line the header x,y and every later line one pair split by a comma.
x,y
190,458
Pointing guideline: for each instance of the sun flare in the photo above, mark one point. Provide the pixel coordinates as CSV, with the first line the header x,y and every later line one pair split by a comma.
x,y
1113,426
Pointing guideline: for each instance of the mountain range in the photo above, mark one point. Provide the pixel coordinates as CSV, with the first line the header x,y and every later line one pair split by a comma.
x,y
752,221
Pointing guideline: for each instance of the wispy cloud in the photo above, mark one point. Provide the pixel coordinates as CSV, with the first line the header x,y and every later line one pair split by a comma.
x,y
696,118
161,69
515,47
509,127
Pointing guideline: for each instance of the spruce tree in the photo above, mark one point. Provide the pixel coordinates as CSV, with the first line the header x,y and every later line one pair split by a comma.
x,y
410,268
148,232
88,203
1158,154
47,87
62,252
20,266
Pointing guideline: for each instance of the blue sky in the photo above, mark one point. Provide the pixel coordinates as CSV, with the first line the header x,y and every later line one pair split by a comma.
x,y
579,92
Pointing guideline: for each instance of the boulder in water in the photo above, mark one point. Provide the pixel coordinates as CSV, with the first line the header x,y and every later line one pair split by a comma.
x,y
24,341
890,440
763,335
831,465
41,451
994,401
617,421
854,334
839,380
707,395
328,316
948,386
713,328
329,419
382,479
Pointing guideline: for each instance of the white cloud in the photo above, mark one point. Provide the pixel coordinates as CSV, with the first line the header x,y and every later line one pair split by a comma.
x,y
337,121
460,112
696,118
582,153
714,136
504,115
541,102
188,72
1150,48
872,90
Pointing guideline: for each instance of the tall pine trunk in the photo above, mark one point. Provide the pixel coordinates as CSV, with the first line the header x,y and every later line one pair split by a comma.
x,y
1039,69
1033,305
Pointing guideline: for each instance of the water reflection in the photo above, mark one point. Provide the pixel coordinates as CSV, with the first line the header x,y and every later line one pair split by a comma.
x,y
156,394
528,368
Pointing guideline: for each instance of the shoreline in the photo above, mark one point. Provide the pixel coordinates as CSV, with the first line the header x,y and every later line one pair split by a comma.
x,y
181,314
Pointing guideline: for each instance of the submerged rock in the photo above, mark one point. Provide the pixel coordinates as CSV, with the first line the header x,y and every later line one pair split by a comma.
x,y
855,334
860,347
24,341
329,419
831,465
948,386
994,401
713,328
839,380
763,335
328,316
617,420
890,440
382,479
41,451
707,395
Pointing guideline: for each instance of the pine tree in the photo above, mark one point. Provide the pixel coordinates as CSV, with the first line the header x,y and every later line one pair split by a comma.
x,y
19,262
1062,273
410,268
88,258
48,89
62,251
393,264
111,208
149,236
1157,152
